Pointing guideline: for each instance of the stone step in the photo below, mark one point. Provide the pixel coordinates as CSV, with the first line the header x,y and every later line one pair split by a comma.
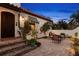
x,y
16,51
26,51
19,52
10,51
10,38
14,47
9,42
7,49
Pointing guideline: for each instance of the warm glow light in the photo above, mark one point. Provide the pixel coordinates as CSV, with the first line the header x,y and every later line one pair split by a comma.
x,y
33,27
22,21
22,18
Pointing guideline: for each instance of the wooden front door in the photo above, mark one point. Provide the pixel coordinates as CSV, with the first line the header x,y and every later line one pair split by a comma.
x,y
7,24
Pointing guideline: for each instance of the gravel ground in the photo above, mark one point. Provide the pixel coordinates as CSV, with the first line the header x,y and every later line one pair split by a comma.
x,y
48,48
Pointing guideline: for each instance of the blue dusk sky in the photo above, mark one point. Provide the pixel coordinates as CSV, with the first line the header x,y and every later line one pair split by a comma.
x,y
55,11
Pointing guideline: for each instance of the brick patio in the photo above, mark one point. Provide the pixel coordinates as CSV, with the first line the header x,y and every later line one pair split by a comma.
x,y
50,49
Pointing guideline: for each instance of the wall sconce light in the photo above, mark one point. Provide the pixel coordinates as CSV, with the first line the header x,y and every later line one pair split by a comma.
x,y
22,18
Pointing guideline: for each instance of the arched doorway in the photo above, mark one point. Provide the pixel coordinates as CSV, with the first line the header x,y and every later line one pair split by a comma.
x,y
7,24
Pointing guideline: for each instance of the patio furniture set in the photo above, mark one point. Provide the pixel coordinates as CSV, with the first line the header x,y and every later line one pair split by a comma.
x,y
56,38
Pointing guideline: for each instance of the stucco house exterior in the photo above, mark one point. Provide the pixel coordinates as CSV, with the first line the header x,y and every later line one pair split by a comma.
x,y
11,14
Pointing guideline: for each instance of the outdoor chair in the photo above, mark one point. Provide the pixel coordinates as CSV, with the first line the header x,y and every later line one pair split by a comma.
x,y
56,38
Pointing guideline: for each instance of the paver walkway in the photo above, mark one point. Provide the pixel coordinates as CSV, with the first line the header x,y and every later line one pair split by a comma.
x,y
50,49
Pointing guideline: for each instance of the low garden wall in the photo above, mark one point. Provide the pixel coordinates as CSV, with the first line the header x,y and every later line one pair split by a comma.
x,y
67,32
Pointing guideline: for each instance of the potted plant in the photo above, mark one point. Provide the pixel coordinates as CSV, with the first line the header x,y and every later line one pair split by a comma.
x,y
28,35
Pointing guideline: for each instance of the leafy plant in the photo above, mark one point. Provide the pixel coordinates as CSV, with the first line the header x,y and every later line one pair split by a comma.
x,y
45,27
75,16
76,46
32,42
34,33
62,24
25,30
76,34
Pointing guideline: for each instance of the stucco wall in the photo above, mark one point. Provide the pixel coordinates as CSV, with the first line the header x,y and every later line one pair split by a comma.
x,y
23,17
76,31
61,31
16,19
67,32
41,21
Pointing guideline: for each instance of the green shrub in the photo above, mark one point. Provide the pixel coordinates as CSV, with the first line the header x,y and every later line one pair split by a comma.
x,y
46,26
32,42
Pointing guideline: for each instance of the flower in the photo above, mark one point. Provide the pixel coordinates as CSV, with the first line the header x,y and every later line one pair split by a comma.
x,y
29,37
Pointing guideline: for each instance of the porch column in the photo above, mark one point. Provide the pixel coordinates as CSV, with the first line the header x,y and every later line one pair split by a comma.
x,y
0,25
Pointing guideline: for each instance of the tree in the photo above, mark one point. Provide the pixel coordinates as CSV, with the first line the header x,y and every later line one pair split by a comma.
x,y
46,26
74,20
75,16
62,24
55,26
